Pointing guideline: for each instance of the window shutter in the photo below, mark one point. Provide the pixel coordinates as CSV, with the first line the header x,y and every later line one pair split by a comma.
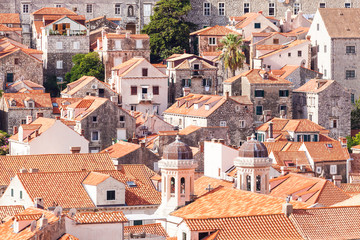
x,y
183,82
204,82
210,82
54,27
67,25
189,82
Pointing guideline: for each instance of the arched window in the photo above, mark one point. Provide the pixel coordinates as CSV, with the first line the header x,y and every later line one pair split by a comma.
x,y
182,185
172,185
258,183
130,11
248,182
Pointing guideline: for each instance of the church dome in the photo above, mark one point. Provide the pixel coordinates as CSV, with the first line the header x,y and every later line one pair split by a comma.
x,y
253,149
177,150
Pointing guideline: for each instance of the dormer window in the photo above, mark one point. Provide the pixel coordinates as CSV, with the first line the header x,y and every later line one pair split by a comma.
x,y
110,195
196,106
29,103
12,103
207,107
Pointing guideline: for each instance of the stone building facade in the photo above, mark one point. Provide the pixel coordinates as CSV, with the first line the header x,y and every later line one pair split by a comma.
x,y
116,48
217,12
325,102
296,74
236,113
23,108
100,121
191,74
20,65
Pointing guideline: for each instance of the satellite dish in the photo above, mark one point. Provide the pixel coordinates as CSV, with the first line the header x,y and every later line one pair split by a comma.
x,y
33,225
72,212
58,211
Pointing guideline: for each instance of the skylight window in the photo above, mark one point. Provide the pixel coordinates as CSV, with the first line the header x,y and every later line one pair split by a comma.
x,y
131,184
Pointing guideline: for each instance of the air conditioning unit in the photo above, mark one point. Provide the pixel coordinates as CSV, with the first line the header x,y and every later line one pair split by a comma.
x,y
94,86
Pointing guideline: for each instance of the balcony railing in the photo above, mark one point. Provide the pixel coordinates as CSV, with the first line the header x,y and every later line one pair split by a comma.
x,y
145,97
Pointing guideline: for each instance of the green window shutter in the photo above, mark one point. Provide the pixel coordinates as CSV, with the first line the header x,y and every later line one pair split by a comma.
x,y
259,110
183,82
9,77
210,82
204,82
189,82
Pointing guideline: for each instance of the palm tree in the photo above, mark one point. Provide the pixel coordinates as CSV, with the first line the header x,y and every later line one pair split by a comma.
x,y
232,56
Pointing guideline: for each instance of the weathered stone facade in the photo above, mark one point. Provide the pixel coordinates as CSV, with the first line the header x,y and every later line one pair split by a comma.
x,y
21,66
301,76
96,26
326,103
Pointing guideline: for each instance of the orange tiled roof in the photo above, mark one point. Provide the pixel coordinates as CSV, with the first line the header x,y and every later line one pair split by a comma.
x,y
67,236
281,125
8,47
270,227
285,48
351,188
297,31
8,211
77,85
121,149
7,231
10,165
287,70
201,184
13,18
214,31
268,47
42,100
321,151
123,36
298,158
140,172
315,85
127,66
246,19
95,178
254,77
54,11
225,202
153,229
327,223
99,217
59,103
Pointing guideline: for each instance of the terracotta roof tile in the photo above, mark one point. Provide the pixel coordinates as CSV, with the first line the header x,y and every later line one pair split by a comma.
x,y
281,125
245,19
268,47
315,85
285,47
42,100
13,18
214,31
150,229
140,172
260,227
350,188
59,103
95,178
202,184
123,36
327,151
8,211
254,77
225,202
287,70
127,66
54,11
327,223
67,236
121,149
99,217
77,85
10,165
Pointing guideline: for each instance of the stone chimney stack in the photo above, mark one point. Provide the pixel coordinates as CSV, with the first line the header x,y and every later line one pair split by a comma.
x,y
39,203
23,170
287,208
15,130
186,91
271,131
337,180
74,150
28,119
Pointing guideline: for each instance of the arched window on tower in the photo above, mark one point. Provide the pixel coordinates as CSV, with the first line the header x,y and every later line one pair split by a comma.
x,y
258,183
172,185
182,185
248,182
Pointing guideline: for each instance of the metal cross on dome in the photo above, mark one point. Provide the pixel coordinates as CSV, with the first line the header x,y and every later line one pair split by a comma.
x,y
209,188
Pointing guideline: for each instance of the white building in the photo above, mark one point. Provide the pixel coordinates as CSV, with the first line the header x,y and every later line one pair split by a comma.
x,y
46,136
142,86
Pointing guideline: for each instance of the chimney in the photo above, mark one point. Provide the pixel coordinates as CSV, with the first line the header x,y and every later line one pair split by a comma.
x,y
283,170
28,119
39,114
226,95
343,142
33,170
261,12
57,117
15,130
288,15
37,133
82,132
287,208
186,91
271,131
135,139
39,203
142,144
23,170
337,180
74,150
118,30
222,141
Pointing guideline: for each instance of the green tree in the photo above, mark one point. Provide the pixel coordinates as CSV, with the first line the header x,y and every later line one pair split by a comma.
x,y
51,86
86,65
232,55
169,32
355,115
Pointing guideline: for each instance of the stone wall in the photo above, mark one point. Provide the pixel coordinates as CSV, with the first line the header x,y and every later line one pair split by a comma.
x,y
325,166
302,75
142,155
28,68
87,90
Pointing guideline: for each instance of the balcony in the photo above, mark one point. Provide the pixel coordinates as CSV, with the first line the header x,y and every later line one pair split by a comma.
x,y
145,97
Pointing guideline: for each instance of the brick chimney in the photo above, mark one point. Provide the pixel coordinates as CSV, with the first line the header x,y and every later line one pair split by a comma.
x,y
287,208
23,170
39,203
74,150
33,170
15,130
28,119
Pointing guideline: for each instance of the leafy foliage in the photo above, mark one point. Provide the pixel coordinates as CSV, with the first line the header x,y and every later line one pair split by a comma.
x,y
232,56
169,32
4,143
51,86
86,65
355,116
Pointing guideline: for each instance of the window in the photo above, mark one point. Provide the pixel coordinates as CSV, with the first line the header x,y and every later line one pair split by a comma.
x,y
156,90
283,93
95,136
325,48
315,138
260,137
206,9
147,10
58,5
20,194
306,138
259,110
89,8
347,5
182,185
184,236
334,123
30,104
110,195
325,73
299,53
222,123
130,11
206,82
246,8
117,8
16,61
133,107
283,108
258,183
133,90
350,74
76,45
248,182
122,118
242,123
275,41
289,54
333,169
138,222
271,9
212,41
257,25
59,79
59,64
259,93
322,5
186,82
318,170
144,72
94,119
9,77
139,44
117,44
25,8
221,9
296,8
352,98
12,192
317,27
59,45
350,49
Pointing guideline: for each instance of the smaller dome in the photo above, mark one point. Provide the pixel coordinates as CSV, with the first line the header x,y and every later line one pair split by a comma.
x,y
177,150
253,149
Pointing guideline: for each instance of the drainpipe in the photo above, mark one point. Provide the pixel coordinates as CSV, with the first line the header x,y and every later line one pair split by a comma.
x,y
348,169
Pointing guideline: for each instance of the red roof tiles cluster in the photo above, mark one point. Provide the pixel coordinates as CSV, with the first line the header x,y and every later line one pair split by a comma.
x,y
155,229
214,31
99,217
